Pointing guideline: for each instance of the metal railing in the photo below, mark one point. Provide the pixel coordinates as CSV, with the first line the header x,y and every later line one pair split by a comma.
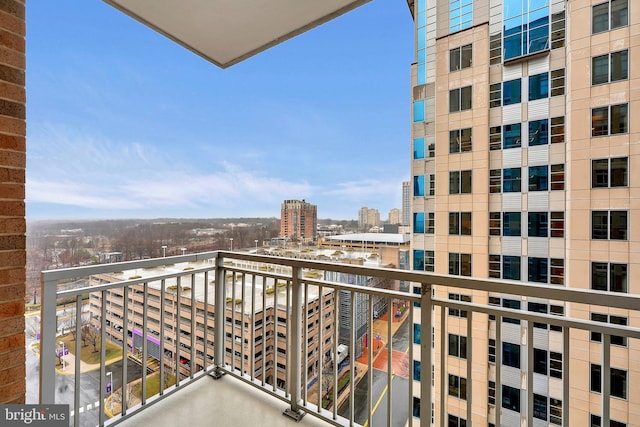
x,y
281,324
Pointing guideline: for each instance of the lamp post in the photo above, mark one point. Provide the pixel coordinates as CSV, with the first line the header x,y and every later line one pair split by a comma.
x,y
256,242
231,240
183,250
164,251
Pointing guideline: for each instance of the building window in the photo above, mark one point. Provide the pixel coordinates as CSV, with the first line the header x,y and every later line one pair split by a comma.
x,y
557,130
458,346
494,266
495,138
538,225
460,182
418,148
557,224
418,260
511,224
596,421
511,398
418,111
610,67
495,95
557,82
460,57
460,14
418,186
557,177
609,15
456,312
457,387
556,271
460,223
609,225
491,393
494,223
453,421
416,407
417,329
526,28
495,49
555,364
418,222
609,277
538,178
416,370
610,120
538,269
540,407
431,223
495,181
492,351
514,305
618,381
540,361
432,184
539,132
511,92
460,264
429,261
614,320
512,136
511,178
460,99
538,86
558,23
460,140
511,355
511,267
607,173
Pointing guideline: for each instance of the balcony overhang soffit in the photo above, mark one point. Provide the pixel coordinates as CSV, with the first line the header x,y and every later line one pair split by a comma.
x,y
226,32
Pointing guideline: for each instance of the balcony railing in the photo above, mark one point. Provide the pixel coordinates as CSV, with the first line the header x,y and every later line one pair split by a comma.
x,y
286,324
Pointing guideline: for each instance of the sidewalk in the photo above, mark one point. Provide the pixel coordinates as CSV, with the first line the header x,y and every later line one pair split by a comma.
x,y
70,360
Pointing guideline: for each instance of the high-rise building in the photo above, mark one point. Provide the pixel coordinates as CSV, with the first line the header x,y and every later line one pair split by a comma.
x,y
394,216
298,220
406,202
522,159
368,217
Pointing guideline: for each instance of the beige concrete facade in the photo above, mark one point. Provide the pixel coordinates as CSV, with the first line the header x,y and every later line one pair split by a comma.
x,y
569,249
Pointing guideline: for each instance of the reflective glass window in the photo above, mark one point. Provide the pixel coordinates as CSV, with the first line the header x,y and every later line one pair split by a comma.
x,y
418,148
511,92
418,222
418,111
539,132
418,185
511,135
538,178
538,86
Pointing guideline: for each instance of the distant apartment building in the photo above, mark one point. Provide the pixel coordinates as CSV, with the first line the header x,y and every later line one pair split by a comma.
x,y
395,216
406,202
298,220
523,151
266,354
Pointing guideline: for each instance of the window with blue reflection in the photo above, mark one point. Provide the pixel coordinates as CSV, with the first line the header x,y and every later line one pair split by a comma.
x,y
538,269
539,132
526,27
538,224
538,178
416,370
418,111
417,328
418,186
417,290
418,222
511,267
460,14
418,260
538,86
511,136
511,224
511,92
418,148
511,178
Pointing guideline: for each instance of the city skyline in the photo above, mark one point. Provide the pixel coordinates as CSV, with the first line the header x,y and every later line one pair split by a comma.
x,y
127,124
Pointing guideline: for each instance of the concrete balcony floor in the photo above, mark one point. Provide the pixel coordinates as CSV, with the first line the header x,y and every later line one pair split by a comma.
x,y
227,401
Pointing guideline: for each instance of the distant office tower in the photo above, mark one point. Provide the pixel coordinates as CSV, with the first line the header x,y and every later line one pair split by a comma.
x,y
298,220
523,151
394,216
363,217
406,202
373,217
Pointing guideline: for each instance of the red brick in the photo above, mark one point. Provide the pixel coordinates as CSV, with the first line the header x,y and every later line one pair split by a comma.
x,y
12,374
12,242
13,158
12,292
11,342
12,23
17,61
10,327
11,40
12,125
15,8
12,142
15,258
12,308
12,191
13,225
12,391
12,109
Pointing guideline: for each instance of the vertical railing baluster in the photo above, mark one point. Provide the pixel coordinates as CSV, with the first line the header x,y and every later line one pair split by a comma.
x,y
264,330
145,344
162,329
390,359
411,368
194,327
426,353
78,357
305,345
370,343
103,357
178,309
469,366
498,369
233,320
205,324
48,333
566,385
295,355
275,333
320,346
352,351
242,326
218,344
605,375
125,335
444,377
253,326
530,373
336,339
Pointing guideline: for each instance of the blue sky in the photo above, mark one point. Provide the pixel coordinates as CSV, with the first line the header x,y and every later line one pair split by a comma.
x,y
124,123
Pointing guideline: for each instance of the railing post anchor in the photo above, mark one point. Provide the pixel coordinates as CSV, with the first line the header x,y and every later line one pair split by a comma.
x,y
295,415
217,373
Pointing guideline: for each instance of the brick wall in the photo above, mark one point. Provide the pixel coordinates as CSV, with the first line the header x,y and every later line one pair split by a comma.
x,y
12,207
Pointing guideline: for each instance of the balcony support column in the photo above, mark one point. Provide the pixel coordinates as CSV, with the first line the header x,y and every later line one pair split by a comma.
x,y
219,315
426,319
48,330
295,355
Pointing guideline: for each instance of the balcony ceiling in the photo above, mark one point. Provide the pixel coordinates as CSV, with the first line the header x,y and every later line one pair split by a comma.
x,y
226,32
